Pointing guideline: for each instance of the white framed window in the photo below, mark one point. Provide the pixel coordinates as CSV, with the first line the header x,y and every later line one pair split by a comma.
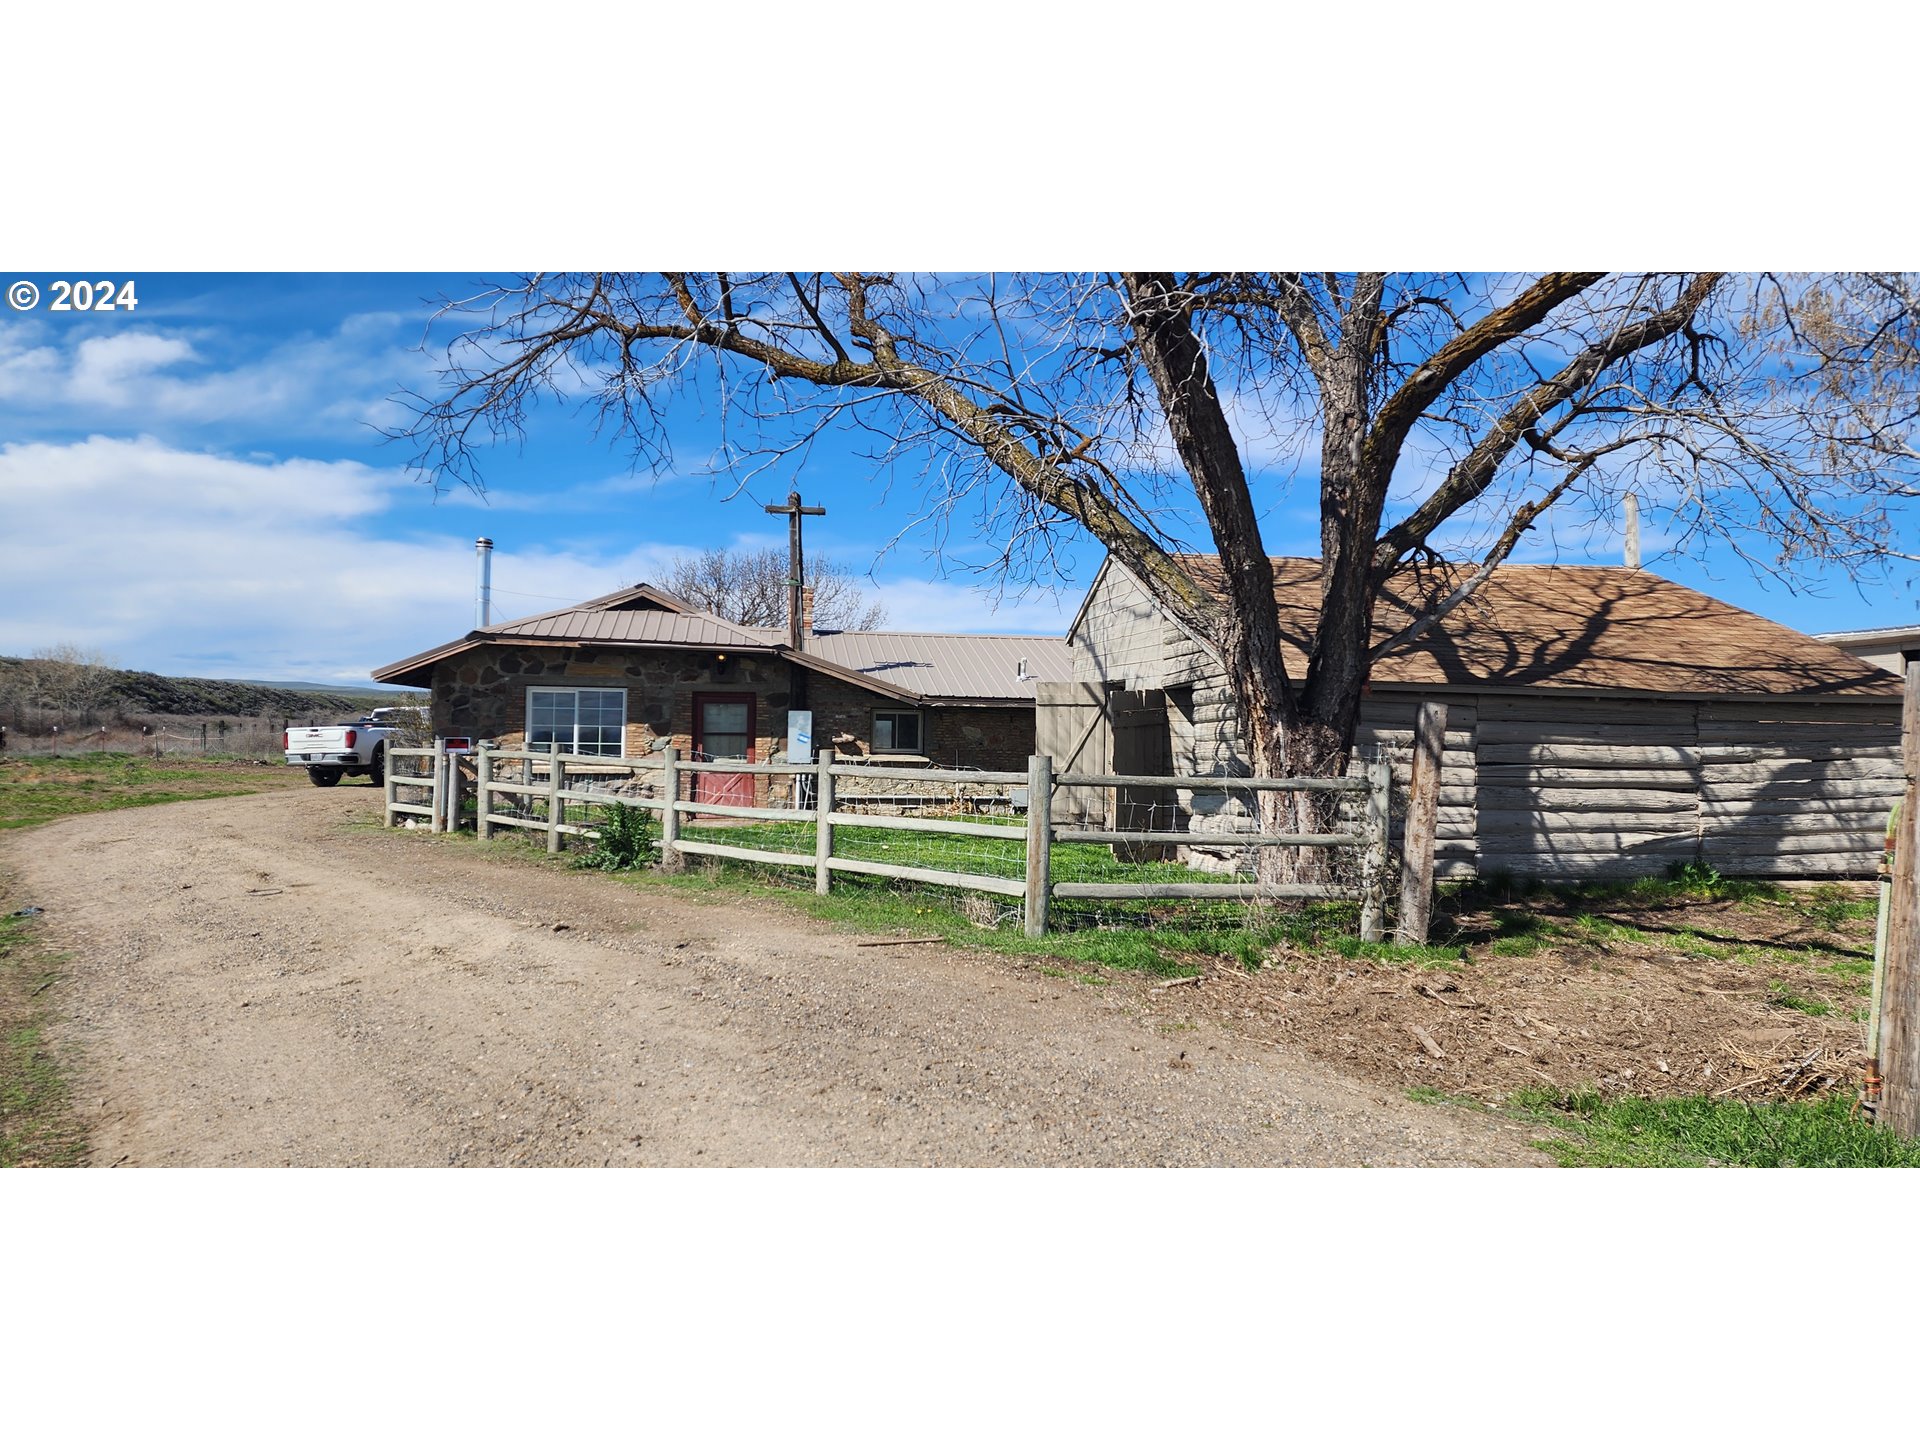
x,y
577,722
896,732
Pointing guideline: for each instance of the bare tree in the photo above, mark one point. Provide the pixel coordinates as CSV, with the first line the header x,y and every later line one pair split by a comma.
x,y
749,587
1439,417
68,679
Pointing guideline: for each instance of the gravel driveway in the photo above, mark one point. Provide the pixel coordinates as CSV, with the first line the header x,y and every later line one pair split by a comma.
x,y
272,980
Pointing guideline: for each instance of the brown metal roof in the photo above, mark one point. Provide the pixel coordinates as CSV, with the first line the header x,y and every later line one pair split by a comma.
x,y
1585,627
949,667
629,627
983,669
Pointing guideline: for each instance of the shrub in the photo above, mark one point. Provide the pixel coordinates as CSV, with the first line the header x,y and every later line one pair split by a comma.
x,y
625,841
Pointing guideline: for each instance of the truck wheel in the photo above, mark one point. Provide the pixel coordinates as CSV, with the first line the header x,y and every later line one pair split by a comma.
x,y
323,778
378,774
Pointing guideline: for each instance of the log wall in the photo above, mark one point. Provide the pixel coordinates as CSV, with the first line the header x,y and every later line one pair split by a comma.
x,y
1557,783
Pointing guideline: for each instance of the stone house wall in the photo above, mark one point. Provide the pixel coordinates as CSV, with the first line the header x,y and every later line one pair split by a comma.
x,y
483,695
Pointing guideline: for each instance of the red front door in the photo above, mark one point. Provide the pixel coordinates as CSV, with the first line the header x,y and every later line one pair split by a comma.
x,y
722,730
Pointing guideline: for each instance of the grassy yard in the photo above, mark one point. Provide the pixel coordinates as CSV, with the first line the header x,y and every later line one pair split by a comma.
x,y
1695,1130
1163,937
35,790
37,1123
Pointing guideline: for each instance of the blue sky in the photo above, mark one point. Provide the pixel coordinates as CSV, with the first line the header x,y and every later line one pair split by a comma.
x,y
200,487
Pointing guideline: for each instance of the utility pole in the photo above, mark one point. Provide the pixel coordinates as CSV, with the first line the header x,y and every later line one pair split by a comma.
x,y
796,571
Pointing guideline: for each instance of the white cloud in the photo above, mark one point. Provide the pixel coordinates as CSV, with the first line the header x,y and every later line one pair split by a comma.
x,y
193,563
116,369
945,607
152,377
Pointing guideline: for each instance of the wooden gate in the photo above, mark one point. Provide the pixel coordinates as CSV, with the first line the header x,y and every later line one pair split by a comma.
x,y
1072,729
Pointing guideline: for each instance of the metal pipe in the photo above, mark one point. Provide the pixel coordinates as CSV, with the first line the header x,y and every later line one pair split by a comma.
x,y
483,599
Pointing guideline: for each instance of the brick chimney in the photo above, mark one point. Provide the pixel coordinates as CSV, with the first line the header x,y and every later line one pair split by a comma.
x,y
806,611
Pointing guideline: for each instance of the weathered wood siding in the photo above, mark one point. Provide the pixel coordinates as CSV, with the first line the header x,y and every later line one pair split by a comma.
x,y
1571,785
1124,639
1557,783
1797,789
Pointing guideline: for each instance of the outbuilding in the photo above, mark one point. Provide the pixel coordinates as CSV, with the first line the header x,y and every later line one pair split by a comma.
x,y
1601,721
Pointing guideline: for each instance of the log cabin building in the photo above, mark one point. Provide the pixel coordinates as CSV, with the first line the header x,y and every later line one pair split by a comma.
x,y
1601,721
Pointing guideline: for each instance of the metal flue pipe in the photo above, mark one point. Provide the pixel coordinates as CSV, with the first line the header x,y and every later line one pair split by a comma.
x,y
483,598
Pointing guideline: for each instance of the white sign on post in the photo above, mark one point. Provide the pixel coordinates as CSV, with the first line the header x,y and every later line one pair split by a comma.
x,y
799,737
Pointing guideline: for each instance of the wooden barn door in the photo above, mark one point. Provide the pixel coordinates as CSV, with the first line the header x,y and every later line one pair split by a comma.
x,y
1071,727
723,730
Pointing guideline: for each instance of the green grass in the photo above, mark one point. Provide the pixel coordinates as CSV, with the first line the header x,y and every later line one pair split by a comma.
x,y
1698,1130
38,1126
1779,994
1162,938
36,790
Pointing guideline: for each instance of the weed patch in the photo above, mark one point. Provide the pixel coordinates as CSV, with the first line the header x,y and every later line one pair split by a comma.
x,y
38,1126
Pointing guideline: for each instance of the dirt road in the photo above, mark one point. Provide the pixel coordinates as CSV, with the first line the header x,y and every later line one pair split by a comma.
x,y
274,981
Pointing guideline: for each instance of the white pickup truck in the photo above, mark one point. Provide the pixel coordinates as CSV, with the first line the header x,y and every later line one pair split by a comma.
x,y
330,751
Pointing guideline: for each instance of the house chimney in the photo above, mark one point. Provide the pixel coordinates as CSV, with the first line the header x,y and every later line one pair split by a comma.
x,y
1631,543
806,611
483,598
1022,674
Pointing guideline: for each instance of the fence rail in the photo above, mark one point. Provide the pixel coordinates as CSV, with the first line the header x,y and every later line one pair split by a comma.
x,y
553,784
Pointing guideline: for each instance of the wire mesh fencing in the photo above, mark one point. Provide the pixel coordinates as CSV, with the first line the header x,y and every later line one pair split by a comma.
x,y
1001,848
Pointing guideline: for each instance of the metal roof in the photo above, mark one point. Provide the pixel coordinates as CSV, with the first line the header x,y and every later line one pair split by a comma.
x,y
629,627
984,669
948,667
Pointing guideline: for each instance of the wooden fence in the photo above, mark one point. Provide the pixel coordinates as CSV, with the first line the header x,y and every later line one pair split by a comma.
x,y
553,782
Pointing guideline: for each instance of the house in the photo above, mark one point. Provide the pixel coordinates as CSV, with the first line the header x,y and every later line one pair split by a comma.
x,y
639,669
1891,649
1601,721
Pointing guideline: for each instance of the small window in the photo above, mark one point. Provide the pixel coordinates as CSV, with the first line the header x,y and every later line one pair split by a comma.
x,y
897,731
577,722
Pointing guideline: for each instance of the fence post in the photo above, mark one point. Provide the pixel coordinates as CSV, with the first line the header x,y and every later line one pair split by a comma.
x,y
1423,822
393,794
823,823
1899,1058
1039,843
482,799
556,807
670,857
438,824
451,800
1373,858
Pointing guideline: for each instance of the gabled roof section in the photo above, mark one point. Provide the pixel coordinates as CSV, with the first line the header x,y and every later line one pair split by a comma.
x,y
913,669
629,626
1580,627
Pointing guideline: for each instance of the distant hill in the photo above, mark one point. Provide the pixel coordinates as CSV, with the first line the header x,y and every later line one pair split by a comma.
x,y
384,697
142,692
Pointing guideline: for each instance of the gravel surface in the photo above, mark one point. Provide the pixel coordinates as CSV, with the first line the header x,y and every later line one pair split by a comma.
x,y
272,980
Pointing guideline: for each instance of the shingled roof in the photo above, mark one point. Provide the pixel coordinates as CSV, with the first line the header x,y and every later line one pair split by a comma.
x,y
1589,627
